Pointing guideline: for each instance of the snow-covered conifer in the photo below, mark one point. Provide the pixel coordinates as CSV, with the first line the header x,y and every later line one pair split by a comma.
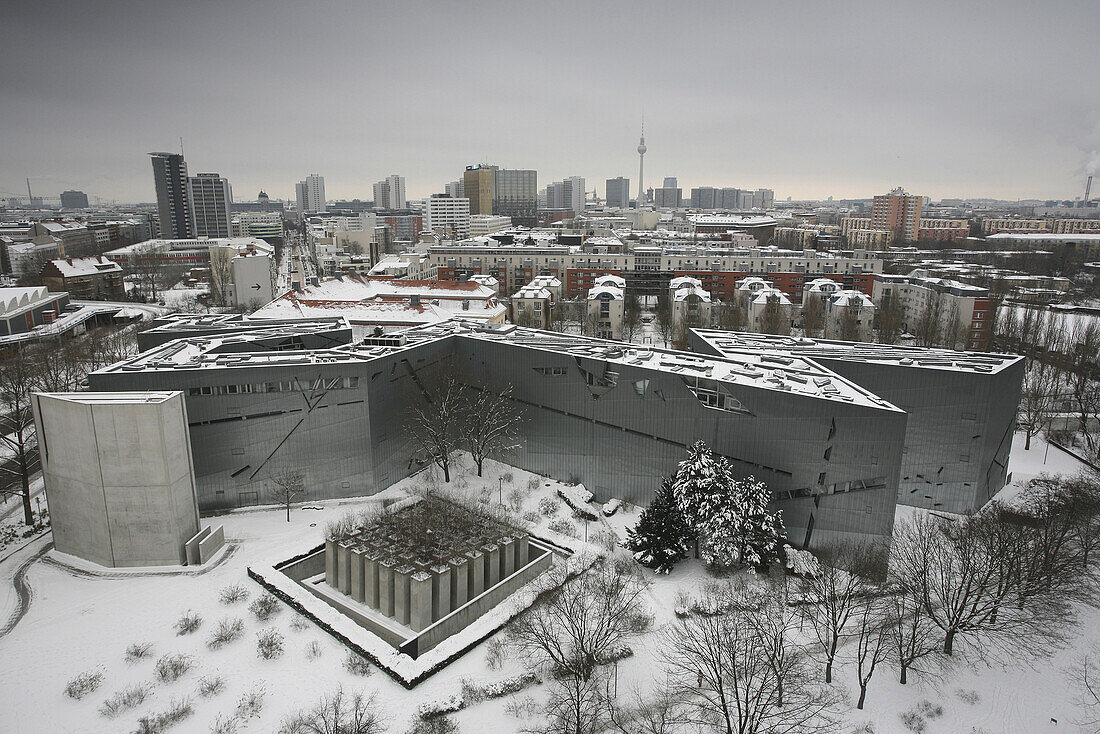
x,y
661,536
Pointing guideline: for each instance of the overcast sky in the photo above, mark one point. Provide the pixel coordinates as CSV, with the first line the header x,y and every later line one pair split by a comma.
x,y
810,99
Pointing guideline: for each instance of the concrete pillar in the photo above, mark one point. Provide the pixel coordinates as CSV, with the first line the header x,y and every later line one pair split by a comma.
x,y
370,578
441,591
459,583
356,585
523,551
401,590
492,564
385,586
343,567
420,600
330,563
476,578
507,556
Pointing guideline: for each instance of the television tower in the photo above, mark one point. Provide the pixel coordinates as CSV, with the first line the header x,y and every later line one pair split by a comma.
x,y
641,166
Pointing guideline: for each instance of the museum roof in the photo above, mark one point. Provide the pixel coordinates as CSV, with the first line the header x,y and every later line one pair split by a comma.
x,y
731,342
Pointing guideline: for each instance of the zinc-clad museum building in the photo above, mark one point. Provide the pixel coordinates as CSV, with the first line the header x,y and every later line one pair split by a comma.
x,y
262,397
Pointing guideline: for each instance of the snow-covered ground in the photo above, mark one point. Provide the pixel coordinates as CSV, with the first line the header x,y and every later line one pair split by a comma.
x,y
75,624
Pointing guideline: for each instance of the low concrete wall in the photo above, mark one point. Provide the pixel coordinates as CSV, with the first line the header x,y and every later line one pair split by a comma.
x,y
211,544
191,547
479,605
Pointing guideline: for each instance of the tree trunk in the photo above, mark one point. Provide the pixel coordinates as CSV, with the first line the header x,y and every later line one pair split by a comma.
x,y
862,695
949,642
446,472
288,512
779,692
479,463
1027,441
904,671
829,662
28,513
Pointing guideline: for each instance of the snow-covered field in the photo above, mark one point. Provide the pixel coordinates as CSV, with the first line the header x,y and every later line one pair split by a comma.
x,y
76,624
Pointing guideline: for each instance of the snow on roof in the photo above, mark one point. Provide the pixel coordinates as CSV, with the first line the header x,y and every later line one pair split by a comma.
x,y
75,267
683,292
14,300
615,281
531,290
822,285
1046,237
615,294
751,283
740,220
547,281
851,298
485,280
768,295
734,342
684,281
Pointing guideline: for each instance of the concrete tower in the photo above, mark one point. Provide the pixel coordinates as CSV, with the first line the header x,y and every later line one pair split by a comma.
x,y
641,167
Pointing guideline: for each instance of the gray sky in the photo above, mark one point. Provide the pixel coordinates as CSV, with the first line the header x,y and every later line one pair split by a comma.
x,y
809,99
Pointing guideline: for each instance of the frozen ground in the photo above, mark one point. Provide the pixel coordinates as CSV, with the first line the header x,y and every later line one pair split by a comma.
x,y
75,623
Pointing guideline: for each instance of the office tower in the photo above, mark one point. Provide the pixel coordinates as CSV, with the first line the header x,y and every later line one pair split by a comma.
x,y
310,194
447,216
618,192
477,186
389,193
730,199
566,194
669,197
706,197
577,193
74,200
173,206
515,195
670,182
897,213
211,205
763,198
455,190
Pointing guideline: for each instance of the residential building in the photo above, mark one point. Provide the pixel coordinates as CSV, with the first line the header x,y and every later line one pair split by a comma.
x,y
939,311
690,304
899,213
667,197
75,239
85,278
1011,224
532,306
211,202
1076,226
27,258
310,195
483,224
606,306
264,225
942,230
173,199
446,216
849,315
74,200
477,186
617,191
389,193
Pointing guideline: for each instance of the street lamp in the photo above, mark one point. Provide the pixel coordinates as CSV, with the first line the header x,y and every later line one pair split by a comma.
x,y
500,490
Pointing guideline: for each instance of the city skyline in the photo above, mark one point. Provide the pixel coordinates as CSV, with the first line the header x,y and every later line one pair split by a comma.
x,y
848,103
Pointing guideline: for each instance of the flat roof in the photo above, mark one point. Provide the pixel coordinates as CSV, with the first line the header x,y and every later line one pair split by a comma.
x,y
112,398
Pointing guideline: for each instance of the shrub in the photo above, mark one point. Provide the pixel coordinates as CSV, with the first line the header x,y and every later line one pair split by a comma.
x,y
532,484
211,685
356,664
564,527
522,708
313,650
138,651
234,594
639,622
250,704
269,644
225,725
177,711
188,623
171,667
494,653
432,709
532,516
475,692
865,728
929,710
438,725
968,697
548,506
228,630
125,700
264,607
507,477
337,714
913,721
299,623
604,539
83,684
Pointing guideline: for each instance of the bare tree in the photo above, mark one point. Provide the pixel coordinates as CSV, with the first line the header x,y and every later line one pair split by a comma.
x,y
813,317
666,324
913,636
888,319
774,319
435,418
1037,398
848,328
576,705
731,317
662,712
490,423
145,264
338,713
288,486
19,376
721,668
928,328
632,317
1083,348
833,592
871,638
1085,678
580,621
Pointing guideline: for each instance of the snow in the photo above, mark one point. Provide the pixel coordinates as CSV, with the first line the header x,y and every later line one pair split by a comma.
x,y
76,623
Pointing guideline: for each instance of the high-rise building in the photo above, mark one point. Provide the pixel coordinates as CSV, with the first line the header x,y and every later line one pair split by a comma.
x,y
455,190
389,193
477,186
704,197
310,194
898,213
173,206
670,182
568,194
211,205
618,192
447,216
74,200
667,196
515,195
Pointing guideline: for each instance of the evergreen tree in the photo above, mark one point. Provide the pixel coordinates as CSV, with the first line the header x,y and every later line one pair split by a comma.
x,y
661,536
760,531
